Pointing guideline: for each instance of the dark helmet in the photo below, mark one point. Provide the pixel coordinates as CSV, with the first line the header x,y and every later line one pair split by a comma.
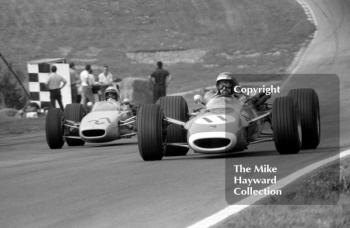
x,y
111,92
225,83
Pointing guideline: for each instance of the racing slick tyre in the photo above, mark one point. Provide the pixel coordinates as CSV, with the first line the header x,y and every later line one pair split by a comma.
x,y
308,104
286,125
175,107
74,112
151,135
53,128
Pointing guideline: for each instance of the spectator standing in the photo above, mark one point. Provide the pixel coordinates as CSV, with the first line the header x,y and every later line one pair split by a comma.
x,y
87,81
74,82
105,79
55,83
96,86
160,79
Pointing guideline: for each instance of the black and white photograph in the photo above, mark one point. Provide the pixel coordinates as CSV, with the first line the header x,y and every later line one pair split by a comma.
x,y
186,113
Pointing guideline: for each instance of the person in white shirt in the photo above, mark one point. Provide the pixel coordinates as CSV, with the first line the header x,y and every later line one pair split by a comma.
x,y
54,84
87,81
105,79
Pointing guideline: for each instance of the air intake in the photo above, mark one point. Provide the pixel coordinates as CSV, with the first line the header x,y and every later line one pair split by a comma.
x,y
93,133
211,143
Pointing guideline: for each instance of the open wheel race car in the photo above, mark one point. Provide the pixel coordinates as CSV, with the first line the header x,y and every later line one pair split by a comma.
x,y
106,122
226,124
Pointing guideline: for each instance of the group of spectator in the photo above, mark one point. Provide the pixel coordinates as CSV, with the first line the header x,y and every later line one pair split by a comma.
x,y
90,87
87,87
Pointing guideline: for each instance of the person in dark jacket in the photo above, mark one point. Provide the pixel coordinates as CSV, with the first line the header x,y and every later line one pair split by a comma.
x,y
160,79
74,83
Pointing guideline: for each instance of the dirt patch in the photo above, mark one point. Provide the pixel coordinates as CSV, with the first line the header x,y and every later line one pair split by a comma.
x,y
89,52
239,55
64,51
169,57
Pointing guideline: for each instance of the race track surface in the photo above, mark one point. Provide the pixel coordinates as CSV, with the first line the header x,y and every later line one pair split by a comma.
x,y
110,186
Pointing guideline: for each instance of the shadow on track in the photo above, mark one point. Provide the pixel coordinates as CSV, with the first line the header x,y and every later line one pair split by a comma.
x,y
112,144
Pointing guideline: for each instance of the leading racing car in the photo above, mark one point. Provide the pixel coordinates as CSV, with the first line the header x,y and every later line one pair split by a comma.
x,y
108,120
226,124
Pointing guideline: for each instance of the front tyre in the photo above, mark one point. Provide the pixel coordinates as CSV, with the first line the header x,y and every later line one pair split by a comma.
x,y
308,104
151,136
54,129
74,112
286,125
175,107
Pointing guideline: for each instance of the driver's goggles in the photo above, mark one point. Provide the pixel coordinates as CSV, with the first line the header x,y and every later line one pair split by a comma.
x,y
110,95
221,85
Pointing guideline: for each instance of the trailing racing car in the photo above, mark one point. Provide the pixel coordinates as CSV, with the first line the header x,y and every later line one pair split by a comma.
x,y
227,124
107,121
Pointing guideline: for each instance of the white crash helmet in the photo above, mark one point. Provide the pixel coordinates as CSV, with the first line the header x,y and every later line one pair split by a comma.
x,y
226,76
111,92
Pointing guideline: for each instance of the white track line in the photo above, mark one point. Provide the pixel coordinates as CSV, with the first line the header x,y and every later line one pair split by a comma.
x,y
297,60
310,15
241,205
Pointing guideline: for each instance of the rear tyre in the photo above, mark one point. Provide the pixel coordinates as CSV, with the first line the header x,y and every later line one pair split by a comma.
x,y
74,112
175,107
53,128
151,136
286,125
308,104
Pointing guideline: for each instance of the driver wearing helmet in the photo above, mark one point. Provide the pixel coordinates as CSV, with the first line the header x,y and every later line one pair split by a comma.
x,y
111,94
225,84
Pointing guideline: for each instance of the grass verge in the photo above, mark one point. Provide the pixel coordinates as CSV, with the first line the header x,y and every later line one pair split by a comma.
x,y
326,185
18,126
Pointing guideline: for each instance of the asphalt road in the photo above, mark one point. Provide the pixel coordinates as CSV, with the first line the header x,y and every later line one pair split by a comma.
x,y
110,186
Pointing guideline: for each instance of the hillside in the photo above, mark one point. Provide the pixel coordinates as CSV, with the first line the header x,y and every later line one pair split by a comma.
x,y
244,36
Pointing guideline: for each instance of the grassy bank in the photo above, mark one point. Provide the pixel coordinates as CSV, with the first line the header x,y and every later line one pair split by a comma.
x,y
16,126
241,36
328,185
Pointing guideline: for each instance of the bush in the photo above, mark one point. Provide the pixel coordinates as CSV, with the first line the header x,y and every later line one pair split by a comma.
x,y
12,94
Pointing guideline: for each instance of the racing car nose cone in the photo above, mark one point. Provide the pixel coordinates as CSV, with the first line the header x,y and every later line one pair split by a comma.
x,y
212,142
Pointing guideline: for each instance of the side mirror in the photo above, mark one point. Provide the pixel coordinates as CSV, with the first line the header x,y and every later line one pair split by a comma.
x,y
198,99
